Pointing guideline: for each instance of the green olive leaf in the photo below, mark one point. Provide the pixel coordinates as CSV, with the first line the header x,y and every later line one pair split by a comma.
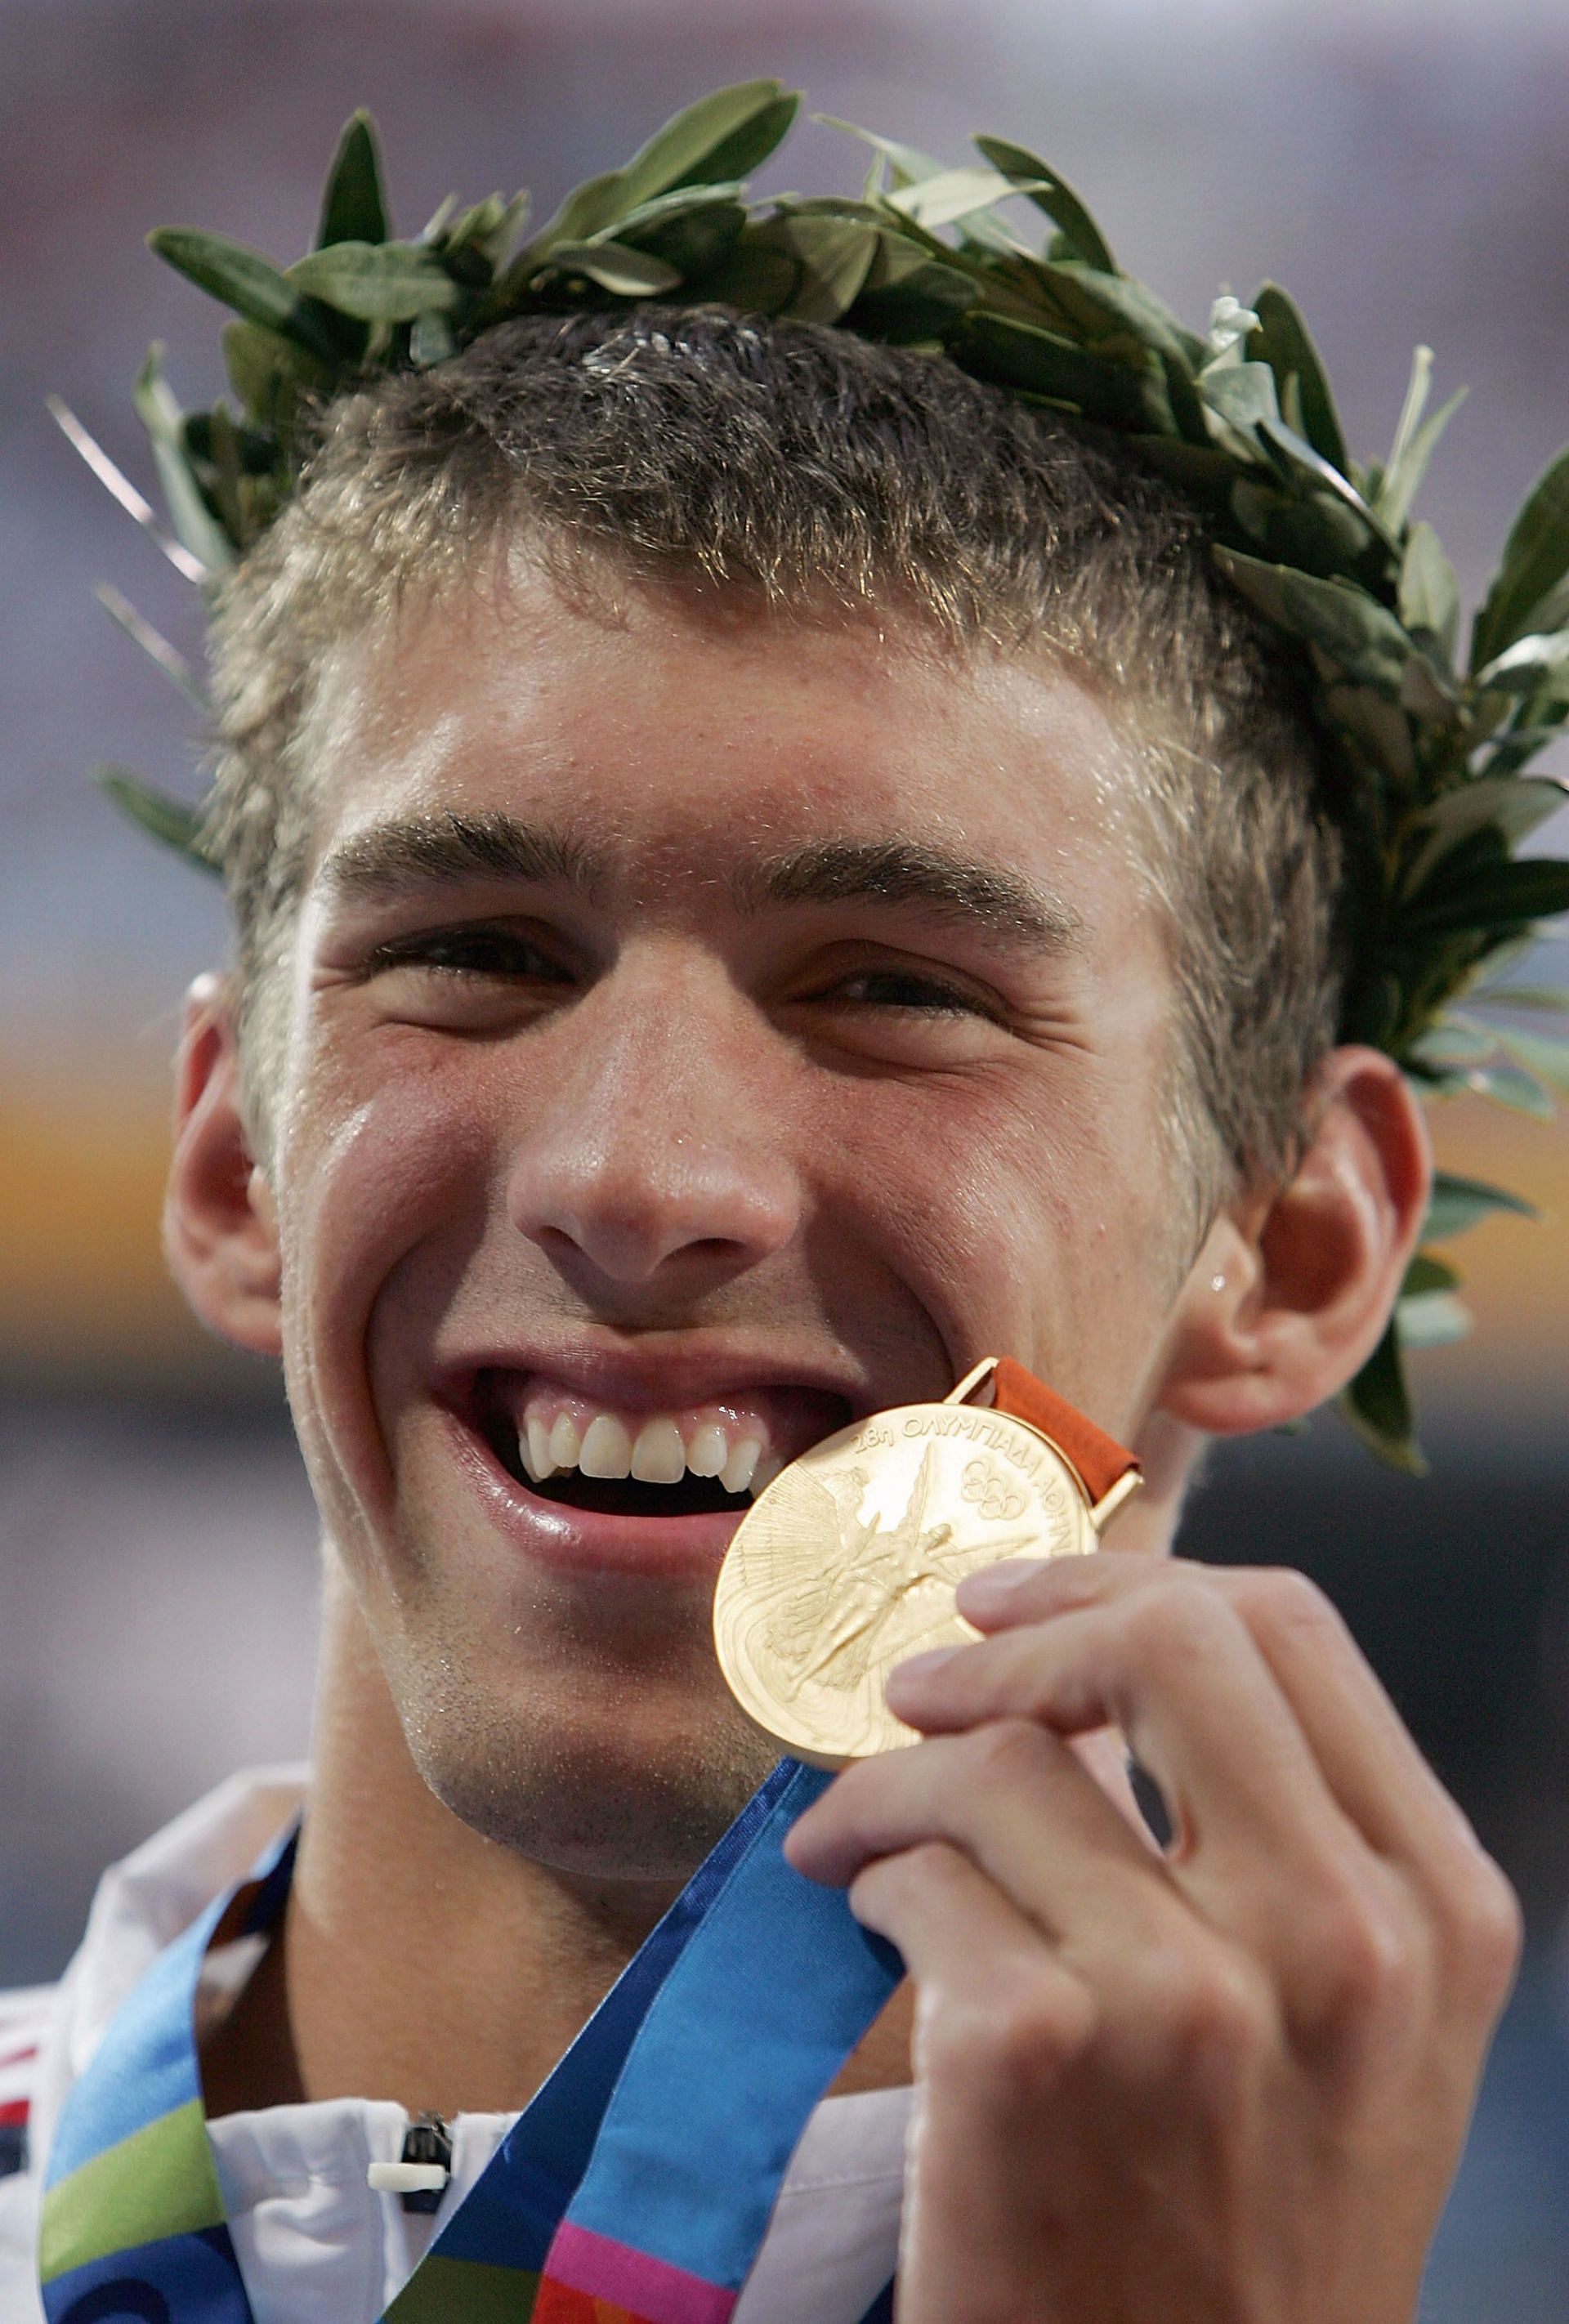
x,y
1535,561
153,644
1458,1203
1553,1000
1425,1274
249,283
476,243
377,282
1101,307
434,225
1281,341
431,341
1429,594
224,481
1428,691
1378,1405
832,256
1452,1043
1535,666
693,232
1505,804
1415,441
1052,195
196,527
898,165
354,205
1031,361
1203,471
269,374
1510,753
908,295
1305,467
1513,1086
629,273
588,209
1373,724
723,136
1352,629
1243,394
1546,1059
756,277
1501,897
1433,1319
168,820
952,194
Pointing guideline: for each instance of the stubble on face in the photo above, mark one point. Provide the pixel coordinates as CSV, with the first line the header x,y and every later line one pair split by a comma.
x,y
550,1784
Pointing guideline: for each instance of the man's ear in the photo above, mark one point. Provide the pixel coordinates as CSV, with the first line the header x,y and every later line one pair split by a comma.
x,y
220,1228
1293,1288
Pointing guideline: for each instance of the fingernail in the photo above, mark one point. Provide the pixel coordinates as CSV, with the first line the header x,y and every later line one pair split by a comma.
x,y
994,1587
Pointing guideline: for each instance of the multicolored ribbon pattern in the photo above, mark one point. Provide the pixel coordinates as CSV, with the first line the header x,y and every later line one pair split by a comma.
x,y
635,2188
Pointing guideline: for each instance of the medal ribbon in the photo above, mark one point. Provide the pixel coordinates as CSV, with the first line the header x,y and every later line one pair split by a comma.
x,y
634,2189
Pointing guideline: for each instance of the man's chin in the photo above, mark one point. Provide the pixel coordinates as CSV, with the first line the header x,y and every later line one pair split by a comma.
x,y
640,1796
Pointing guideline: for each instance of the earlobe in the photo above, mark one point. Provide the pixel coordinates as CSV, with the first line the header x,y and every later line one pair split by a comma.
x,y
1293,1289
220,1230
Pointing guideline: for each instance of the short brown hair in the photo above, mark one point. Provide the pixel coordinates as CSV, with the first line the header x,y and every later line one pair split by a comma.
x,y
820,471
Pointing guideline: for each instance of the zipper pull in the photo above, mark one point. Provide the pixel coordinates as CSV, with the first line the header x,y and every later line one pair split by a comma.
x,y
420,2179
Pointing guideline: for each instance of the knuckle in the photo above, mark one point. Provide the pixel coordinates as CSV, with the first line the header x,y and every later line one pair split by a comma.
x,y
1200,2009
1013,2041
1487,1932
1360,1962
1279,1598
1376,1966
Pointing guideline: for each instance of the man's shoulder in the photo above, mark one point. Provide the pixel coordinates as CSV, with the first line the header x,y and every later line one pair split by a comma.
x,y
141,1904
47,2031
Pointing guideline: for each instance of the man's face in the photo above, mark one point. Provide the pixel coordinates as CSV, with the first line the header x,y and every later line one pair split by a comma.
x,y
703,1030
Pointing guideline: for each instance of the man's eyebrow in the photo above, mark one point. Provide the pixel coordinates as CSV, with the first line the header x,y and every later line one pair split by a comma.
x,y
405,856
900,871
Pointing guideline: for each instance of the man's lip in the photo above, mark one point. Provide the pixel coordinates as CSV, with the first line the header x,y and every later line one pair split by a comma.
x,y
653,1379
805,1399
586,1541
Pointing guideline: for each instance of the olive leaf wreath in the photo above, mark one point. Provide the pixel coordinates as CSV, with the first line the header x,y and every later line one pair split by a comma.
x,y
1432,754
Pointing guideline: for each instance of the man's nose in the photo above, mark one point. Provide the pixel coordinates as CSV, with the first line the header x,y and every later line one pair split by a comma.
x,y
658,1159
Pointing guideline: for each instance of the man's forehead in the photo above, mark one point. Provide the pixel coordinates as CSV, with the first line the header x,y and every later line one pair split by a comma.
x,y
772,753
521,649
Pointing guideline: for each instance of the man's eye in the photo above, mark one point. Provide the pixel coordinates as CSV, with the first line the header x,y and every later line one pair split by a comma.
x,y
496,952
895,988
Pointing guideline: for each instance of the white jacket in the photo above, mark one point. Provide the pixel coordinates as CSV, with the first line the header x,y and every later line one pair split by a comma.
x,y
316,2244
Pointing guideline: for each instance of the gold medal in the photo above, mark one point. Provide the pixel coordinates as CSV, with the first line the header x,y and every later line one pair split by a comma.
x,y
848,1562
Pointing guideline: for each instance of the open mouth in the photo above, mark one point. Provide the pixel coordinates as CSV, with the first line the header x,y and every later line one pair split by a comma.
x,y
708,1460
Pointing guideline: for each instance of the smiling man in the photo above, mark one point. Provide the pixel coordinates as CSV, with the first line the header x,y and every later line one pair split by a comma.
x,y
766,872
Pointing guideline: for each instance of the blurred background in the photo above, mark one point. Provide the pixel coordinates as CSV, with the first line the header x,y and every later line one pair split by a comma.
x,y
1399,164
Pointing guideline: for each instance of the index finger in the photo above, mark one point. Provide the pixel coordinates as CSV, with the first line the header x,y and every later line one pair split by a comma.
x,y
1364,1751
1177,1669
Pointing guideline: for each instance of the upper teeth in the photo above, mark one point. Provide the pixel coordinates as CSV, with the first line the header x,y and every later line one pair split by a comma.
x,y
659,1454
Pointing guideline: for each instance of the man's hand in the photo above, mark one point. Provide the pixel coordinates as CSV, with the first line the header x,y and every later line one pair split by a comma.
x,y
1227,2084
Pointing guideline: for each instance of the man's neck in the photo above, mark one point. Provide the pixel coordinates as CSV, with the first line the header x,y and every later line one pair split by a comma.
x,y
418,1960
